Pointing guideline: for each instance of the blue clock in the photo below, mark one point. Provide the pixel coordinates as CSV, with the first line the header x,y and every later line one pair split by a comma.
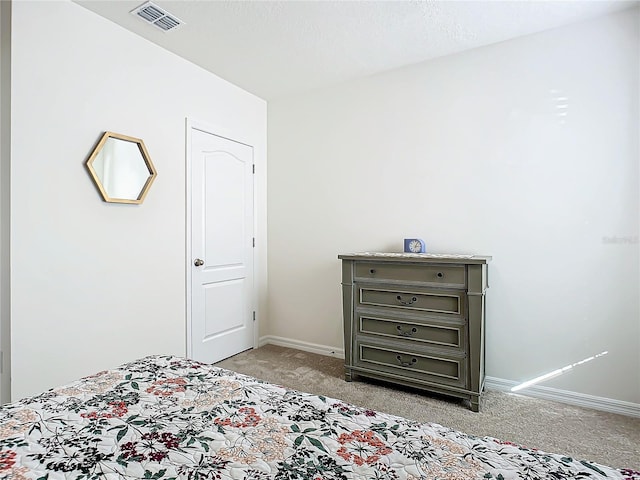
x,y
414,245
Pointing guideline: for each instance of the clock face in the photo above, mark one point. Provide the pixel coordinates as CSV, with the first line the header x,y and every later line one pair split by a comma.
x,y
415,246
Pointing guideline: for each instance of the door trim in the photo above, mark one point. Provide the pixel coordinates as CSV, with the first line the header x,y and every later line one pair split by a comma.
x,y
192,124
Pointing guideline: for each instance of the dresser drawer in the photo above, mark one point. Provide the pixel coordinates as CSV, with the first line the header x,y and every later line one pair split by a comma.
x,y
444,275
435,367
450,302
423,331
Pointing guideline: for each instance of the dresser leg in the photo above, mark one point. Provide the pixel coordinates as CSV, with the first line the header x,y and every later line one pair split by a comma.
x,y
349,376
475,403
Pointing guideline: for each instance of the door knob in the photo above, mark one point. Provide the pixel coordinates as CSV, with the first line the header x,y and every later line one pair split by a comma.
x,y
198,262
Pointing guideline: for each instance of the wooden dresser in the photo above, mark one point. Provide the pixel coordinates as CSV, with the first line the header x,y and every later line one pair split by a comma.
x,y
416,320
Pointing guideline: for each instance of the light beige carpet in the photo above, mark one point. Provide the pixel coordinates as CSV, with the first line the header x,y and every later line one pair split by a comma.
x,y
582,433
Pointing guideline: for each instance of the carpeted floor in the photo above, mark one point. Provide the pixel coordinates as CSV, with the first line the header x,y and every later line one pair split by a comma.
x,y
582,433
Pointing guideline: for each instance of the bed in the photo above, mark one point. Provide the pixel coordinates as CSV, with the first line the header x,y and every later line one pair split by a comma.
x,y
164,417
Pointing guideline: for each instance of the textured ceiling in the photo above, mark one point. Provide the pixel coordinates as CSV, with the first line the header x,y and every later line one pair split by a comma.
x,y
277,48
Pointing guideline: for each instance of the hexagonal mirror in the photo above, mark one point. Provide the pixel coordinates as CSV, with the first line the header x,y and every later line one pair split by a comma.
x,y
121,168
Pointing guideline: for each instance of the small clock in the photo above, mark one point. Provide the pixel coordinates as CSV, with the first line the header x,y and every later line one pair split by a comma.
x,y
414,245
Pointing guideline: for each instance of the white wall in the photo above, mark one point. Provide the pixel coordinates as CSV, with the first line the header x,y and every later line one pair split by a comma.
x,y
97,284
526,150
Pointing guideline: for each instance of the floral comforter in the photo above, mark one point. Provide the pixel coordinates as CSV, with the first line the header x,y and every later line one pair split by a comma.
x,y
165,417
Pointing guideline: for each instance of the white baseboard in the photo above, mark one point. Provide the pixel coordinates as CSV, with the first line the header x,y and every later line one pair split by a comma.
x,y
565,396
492,383
300,345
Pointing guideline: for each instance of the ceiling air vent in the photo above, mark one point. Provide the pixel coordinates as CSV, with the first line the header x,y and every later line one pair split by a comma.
x,y
158,17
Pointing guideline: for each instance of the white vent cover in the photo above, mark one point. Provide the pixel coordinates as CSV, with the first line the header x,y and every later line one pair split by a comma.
x,y
156,16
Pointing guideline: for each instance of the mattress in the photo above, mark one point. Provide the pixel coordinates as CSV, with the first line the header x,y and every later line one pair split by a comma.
x,y
164,417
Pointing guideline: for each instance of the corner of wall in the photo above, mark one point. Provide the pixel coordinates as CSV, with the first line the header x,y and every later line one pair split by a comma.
x,y
5,198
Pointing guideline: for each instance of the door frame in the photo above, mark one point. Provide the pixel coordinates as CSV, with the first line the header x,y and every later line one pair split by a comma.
x,y
192,124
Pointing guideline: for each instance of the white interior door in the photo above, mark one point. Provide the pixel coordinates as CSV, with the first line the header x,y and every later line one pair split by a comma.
x,y
222,244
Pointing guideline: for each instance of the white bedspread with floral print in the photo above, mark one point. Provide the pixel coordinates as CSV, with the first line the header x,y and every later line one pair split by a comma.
x,y
165,417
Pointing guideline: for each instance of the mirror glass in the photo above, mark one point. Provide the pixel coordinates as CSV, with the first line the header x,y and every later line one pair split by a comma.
x,y
121,167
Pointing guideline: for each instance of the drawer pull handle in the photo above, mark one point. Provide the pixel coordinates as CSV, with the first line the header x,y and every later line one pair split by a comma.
x,y
406,333
372,271
406,364
406,302
440,275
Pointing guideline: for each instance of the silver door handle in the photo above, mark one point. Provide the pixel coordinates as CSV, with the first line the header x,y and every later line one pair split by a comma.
x,y
198,262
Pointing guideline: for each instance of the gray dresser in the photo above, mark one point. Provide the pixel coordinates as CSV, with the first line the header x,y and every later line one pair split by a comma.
x,y
416,320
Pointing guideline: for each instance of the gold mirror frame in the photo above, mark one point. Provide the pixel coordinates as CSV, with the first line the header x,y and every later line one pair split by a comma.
x,y
122,178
